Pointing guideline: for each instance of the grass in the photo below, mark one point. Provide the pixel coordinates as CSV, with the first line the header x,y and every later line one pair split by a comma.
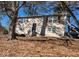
x,y
24,47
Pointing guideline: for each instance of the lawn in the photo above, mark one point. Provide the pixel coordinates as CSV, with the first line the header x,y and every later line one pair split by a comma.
x,y
24,47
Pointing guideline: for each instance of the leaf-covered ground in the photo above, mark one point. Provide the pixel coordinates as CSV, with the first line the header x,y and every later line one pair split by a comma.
x,y
26,47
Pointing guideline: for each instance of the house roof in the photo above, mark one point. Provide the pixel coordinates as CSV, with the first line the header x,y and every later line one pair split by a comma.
x,y
42,16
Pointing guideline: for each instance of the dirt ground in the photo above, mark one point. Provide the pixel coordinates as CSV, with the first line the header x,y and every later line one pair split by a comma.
x,y
25,47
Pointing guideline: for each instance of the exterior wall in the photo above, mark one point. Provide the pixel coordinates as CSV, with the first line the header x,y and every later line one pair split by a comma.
x,y
25,26
53,29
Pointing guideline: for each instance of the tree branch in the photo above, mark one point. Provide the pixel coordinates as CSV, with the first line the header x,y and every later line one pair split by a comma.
x,y
7,10
21,5
8,14
68,9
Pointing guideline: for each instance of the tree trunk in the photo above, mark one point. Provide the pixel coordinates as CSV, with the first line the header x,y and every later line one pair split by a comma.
x,y
34,29
44,26
14,20
12,28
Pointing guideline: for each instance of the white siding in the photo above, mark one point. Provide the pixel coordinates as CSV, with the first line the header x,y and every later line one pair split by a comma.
x,y
53,29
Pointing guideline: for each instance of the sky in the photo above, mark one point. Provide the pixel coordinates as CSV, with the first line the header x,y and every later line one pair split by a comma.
x,y
5,21
48,11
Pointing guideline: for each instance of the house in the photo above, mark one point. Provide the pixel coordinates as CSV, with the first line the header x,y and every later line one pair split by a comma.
x,y
49,25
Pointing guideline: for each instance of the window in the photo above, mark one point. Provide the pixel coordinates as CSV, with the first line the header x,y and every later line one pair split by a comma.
x,y
49,29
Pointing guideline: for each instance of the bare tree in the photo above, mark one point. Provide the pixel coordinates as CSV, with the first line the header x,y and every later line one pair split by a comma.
x,y
64,4
11,8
